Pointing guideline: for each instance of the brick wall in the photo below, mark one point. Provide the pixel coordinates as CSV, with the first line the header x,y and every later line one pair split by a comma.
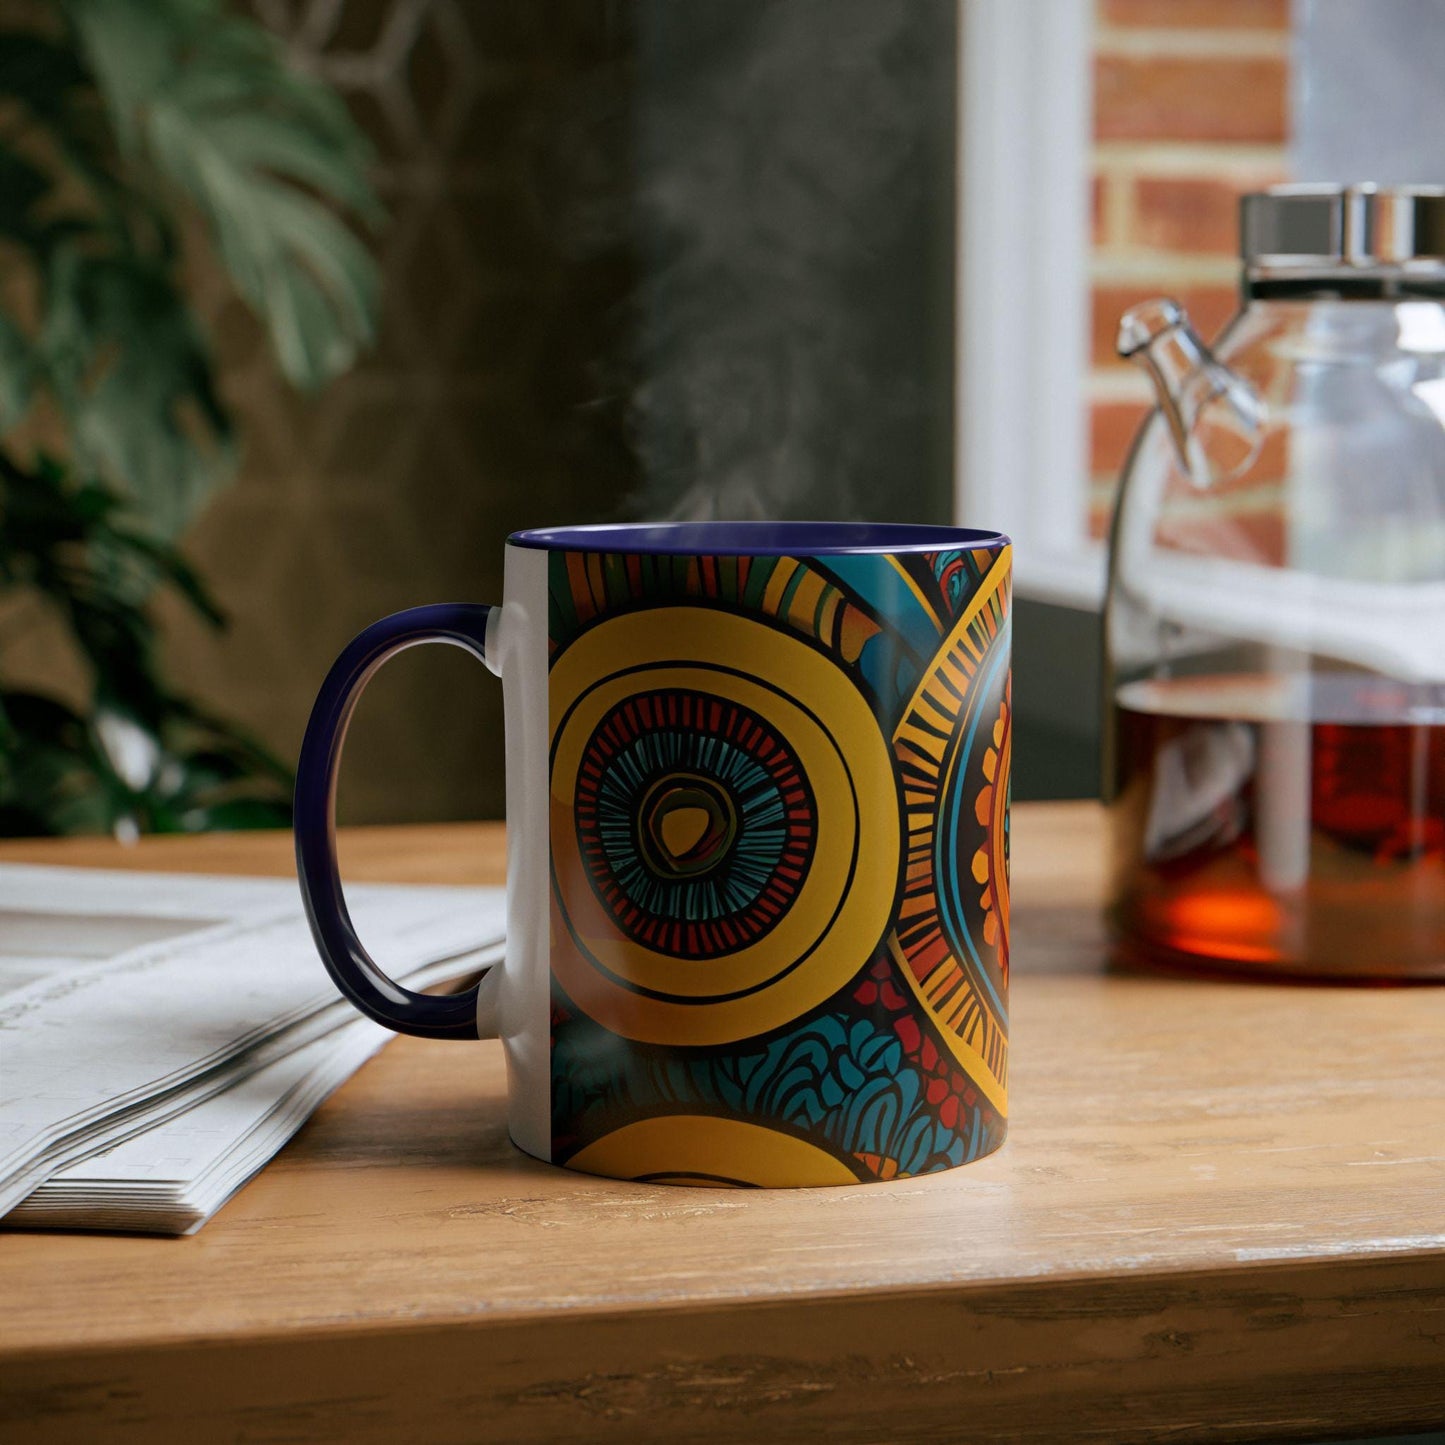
x,y
1190,110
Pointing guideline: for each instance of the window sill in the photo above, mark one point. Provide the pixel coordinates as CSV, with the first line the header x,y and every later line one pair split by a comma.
x,y
1063,578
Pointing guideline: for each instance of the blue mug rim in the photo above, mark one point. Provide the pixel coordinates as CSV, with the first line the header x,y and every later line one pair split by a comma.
x,y
756,539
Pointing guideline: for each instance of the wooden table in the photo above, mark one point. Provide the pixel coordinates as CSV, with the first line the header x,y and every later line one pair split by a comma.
x,y
1220,1215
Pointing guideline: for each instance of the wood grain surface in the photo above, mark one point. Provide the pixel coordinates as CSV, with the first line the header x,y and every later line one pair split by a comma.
x,y
1220,1215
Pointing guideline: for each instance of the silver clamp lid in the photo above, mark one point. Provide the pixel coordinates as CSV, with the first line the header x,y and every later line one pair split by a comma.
x,y
1343,228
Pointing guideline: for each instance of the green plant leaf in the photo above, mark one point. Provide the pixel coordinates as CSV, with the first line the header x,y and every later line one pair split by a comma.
x,y
115,113
22,186
168,565
48,781
235,813
313,283
135,380
261,151
17,372
217,738
43,78
39,72
129,47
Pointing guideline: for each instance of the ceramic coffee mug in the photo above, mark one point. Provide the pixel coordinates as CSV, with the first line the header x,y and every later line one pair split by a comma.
x,y
758,848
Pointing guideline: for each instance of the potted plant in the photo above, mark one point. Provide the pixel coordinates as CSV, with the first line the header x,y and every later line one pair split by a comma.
x,y
127,128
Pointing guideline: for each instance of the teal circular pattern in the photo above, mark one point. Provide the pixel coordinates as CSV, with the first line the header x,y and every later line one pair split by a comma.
x,y
694,821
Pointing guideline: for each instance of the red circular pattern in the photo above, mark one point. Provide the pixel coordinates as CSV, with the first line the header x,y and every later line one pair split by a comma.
x,y
702,720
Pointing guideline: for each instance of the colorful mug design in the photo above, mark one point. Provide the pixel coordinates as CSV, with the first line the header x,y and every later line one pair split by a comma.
x,y
763,889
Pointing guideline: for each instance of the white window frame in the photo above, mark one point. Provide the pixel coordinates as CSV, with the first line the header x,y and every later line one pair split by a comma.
x,y
1025,122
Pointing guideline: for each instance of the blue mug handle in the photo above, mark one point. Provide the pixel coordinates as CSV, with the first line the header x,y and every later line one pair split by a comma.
x,y
355,972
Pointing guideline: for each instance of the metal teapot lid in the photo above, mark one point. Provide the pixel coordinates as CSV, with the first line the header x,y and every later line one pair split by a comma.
x,y
1314,230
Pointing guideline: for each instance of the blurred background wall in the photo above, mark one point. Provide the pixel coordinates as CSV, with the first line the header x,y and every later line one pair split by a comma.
x,y
642,258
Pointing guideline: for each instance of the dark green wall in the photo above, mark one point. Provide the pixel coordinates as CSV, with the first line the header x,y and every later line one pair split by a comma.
x,y
1056,702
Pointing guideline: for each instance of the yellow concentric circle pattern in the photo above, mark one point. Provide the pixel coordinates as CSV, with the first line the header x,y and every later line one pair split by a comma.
x,y
845,902
703,1150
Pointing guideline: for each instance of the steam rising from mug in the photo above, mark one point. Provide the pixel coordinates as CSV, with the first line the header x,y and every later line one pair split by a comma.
x,y
788,339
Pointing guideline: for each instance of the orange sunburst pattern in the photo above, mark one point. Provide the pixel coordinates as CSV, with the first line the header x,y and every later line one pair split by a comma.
x,y
991,809
954,751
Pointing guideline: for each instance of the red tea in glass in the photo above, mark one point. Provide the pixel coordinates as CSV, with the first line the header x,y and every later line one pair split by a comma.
x,y
1281,825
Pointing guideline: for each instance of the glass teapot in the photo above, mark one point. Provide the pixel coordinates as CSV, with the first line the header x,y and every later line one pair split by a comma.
x,y
1275,624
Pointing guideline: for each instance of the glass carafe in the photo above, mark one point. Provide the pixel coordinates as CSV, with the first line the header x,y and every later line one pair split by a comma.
x,y
1275,625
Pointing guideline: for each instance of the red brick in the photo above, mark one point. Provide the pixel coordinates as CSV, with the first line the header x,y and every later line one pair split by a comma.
x,y
1183,98
1259,485
1187,214
1209,307
1271,466
1197,14
1097,198
1246,536
1112,426
1101,515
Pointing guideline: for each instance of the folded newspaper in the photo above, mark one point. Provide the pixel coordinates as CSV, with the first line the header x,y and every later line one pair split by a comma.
x,y
163,1035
